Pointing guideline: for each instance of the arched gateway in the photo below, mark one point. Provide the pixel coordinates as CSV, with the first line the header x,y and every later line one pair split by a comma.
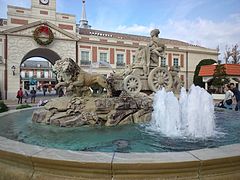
x,y
36,72
22,44
45,53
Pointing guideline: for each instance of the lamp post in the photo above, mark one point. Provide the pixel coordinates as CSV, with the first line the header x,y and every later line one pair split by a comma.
x,y
13,68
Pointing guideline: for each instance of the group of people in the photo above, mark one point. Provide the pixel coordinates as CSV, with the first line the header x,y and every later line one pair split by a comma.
x,y
45,89
24,94
232,97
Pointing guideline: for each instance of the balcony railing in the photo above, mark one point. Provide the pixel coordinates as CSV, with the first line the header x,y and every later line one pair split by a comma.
x,y
120,65
85,63
175,68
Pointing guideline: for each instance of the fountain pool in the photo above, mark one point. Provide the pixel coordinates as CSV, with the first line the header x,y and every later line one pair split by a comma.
x,y
127,138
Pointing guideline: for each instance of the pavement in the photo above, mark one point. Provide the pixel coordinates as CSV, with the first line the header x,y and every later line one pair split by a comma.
x,y
12,104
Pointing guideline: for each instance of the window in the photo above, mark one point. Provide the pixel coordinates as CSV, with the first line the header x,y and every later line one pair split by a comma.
x,y
175,62
133,59
103,57
85,58
46,74
30,74
42,74
38,74
26,74
163,62
120,61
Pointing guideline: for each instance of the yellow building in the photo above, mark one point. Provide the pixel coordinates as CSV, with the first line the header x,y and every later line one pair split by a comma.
x,y
20,39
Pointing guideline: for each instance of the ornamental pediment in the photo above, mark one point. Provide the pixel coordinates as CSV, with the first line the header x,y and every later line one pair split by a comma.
x,y
29,29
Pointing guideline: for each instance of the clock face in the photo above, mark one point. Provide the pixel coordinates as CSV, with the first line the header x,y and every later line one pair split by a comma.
x,y
45,2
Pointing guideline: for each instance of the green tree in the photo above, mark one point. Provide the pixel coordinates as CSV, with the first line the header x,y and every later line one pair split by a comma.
x,y
220,76
197,80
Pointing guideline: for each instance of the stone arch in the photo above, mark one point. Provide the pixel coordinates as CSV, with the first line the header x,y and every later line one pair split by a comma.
x,y
48,54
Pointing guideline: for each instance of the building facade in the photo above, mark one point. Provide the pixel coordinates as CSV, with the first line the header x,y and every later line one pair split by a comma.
x,y
37,74
94,50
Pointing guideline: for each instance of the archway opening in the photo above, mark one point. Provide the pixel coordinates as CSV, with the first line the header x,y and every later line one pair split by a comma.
x,y
36,72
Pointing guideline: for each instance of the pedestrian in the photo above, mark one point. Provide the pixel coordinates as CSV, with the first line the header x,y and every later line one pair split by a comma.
x,y
33,95
49,89
60,92
44,90
26,95
236,93
228,97
20,95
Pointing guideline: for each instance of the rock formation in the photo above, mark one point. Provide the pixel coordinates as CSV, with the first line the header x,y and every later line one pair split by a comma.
x,y
69,111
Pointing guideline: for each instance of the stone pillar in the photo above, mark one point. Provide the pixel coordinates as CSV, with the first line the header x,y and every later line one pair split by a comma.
x,y
206,86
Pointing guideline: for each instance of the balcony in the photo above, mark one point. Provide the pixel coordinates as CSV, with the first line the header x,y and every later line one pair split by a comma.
x,y
175,68
85,63
120,65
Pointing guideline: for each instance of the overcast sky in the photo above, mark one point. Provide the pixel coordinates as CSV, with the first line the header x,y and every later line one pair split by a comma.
x,y
207,23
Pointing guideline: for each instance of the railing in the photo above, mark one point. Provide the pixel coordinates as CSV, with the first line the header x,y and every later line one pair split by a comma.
x,y
175,68
85,63
120,65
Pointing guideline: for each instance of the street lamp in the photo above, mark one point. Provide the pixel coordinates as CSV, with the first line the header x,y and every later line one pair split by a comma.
x,y
13,68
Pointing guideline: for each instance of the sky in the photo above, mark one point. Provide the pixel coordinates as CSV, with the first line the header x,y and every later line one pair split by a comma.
x,y
208,23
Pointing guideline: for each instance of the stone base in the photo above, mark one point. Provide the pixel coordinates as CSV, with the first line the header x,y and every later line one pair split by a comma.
x,y
79,111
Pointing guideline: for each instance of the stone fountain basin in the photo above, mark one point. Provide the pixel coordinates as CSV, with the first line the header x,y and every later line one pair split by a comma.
x,y
24,161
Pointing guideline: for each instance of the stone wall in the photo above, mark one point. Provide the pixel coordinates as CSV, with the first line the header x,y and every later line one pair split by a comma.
x,y
19,46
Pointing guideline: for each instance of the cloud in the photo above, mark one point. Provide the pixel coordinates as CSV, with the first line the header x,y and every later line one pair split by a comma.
x,y
205,32
199,31
136,29
4,3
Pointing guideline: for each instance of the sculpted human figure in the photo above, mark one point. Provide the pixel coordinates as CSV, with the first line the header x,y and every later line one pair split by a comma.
x,y
156,47
149,55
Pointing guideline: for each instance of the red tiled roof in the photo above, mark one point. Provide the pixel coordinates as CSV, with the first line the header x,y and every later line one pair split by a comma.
x,y
231,70
132,37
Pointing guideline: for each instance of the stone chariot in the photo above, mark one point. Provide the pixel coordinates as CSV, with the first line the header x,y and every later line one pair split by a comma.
x,y
147,74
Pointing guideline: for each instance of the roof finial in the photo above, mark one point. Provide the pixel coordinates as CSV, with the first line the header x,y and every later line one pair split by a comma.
x,y
83,21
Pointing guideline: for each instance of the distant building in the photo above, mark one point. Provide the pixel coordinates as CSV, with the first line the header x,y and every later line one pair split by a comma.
x,y
87,46
38,73
232,72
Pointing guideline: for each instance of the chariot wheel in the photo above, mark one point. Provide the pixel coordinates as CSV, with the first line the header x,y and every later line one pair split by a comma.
x,y
132,84
159,78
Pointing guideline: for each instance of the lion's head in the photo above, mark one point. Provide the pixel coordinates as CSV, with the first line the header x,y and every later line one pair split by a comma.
x,y
66,70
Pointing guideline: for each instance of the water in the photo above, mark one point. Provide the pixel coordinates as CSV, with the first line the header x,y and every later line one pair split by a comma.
x,y
192,115
96,65
127,138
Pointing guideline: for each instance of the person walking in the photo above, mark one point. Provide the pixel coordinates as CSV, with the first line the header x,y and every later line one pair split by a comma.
x,y
20,95
33,95
228,97
44,90
49,89
236,93
26,96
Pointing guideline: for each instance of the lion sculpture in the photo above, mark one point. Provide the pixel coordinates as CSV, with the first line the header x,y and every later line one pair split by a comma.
x,y
76,80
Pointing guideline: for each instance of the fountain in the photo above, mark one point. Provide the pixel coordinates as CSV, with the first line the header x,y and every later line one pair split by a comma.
x,y
153,134
193,114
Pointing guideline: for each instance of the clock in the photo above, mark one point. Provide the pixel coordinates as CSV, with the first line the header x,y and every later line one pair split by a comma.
x,y
44,2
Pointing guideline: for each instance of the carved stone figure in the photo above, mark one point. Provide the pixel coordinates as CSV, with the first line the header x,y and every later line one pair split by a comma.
x,y
75,79
149,56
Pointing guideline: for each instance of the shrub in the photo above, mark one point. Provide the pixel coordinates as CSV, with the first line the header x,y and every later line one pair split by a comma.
x,y
197,80
3,107
23,106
